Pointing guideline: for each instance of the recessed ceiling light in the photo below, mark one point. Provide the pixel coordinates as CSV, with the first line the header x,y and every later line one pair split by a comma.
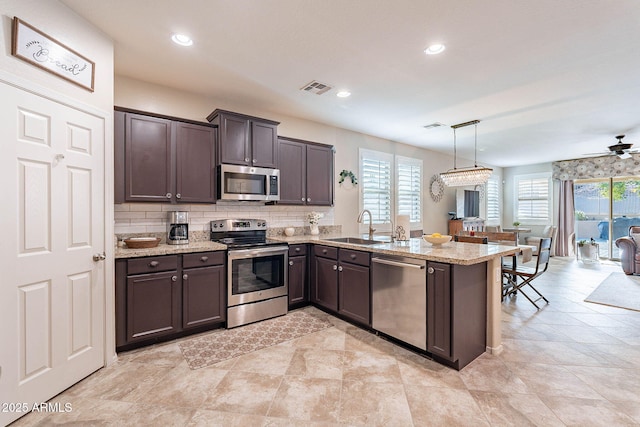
x,y
182,40
343,94
434,49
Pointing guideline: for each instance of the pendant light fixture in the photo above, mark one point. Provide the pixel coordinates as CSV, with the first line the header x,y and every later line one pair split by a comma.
x,y
475,175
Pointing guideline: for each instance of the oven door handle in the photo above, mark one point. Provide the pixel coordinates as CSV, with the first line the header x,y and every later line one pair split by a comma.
x,y
253,253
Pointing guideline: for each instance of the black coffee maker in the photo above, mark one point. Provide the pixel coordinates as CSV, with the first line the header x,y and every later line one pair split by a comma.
x,y
178,228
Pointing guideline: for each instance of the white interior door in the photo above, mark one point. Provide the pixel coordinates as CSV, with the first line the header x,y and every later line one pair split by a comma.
x,y
53,216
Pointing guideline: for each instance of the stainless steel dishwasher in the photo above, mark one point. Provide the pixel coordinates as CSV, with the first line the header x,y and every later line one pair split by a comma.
x,y
399,306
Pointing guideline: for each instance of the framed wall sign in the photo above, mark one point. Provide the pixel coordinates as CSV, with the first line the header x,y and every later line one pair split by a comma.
x,y
37,48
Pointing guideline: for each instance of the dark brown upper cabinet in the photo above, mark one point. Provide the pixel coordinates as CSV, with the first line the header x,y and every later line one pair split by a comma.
x,y
162,159
246,140
306,173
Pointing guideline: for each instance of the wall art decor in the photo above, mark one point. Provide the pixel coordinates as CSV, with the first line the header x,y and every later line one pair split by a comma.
x,y
436,188
45,52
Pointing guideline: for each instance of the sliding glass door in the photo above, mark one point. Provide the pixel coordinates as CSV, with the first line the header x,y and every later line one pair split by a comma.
x,y
605,209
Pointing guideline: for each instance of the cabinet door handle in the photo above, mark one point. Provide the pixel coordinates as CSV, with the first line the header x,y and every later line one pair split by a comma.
x,y
154,264
178,195
340,268
353,256
255,160
246,159
324,251
431,270
168,195
204,258
297,249
185,277
174,278
303,199
335,267
308,199
290,262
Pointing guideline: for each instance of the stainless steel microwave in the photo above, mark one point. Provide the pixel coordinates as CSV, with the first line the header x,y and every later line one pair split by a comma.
x,y
248,183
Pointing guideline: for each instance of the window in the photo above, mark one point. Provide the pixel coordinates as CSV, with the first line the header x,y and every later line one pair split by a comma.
x,y
533,204
375,173
390,185
493,201
409,188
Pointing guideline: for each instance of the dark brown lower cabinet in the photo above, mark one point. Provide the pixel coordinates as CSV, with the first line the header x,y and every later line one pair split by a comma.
x,y
456,312
203,301
153,305
159,298
298,294
325,283
354,299
340,282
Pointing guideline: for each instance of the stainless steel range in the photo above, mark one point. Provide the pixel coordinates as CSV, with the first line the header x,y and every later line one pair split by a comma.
x,y
257,271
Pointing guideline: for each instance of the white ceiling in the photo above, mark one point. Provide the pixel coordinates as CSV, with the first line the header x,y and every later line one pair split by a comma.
x,y
549,79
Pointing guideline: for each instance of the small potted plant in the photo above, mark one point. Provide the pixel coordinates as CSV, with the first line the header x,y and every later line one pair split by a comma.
x,y
516,223
588,250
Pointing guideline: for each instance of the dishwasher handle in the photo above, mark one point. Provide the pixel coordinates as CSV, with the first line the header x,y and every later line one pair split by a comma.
x,y
397,263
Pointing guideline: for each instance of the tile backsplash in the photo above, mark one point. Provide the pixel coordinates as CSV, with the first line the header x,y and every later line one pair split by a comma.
x,y
138,218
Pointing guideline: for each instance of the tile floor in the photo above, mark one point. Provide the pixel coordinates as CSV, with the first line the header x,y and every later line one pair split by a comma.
x,y
571,363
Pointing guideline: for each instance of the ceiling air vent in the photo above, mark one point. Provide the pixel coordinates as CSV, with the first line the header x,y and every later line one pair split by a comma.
x,y
434,125
316,87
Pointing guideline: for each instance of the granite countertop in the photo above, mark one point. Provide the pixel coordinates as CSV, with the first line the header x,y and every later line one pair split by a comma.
x,y
164,249
450,253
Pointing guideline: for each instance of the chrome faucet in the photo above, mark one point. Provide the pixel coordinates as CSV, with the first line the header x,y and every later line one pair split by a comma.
x,y
360,218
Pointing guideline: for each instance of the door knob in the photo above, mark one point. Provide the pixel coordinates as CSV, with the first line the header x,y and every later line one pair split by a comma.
x,y
178,196
99,257
335,267
290,262
431,270
340,268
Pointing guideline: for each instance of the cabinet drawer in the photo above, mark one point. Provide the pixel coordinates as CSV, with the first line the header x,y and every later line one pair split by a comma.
x,y
297,250
354,257
203,259
152,264
325,251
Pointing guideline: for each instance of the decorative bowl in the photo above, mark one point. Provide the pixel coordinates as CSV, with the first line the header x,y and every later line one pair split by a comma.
x,y
436,240
142,242
289,231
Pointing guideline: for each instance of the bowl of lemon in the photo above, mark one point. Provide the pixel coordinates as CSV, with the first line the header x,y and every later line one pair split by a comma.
x,y
436,239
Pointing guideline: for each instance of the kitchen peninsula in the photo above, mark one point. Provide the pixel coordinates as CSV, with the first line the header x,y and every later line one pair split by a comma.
x,y
452,253
473,268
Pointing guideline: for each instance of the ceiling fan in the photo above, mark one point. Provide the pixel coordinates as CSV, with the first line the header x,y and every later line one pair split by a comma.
x,y
621,149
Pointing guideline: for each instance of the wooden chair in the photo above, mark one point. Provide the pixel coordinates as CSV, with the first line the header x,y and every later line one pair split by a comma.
x,y
528,274
471,239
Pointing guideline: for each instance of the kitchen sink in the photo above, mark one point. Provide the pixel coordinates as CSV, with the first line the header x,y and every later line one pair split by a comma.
x,y
354,240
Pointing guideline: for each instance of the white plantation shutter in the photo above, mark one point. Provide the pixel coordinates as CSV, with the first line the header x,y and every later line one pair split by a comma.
x,y
409,188
493,201
375,179
533,198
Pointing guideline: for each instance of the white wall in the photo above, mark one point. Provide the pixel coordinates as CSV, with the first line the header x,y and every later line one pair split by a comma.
x,y
149,97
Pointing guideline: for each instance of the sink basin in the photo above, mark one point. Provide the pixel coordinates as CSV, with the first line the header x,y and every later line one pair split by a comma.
x,y
355,241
